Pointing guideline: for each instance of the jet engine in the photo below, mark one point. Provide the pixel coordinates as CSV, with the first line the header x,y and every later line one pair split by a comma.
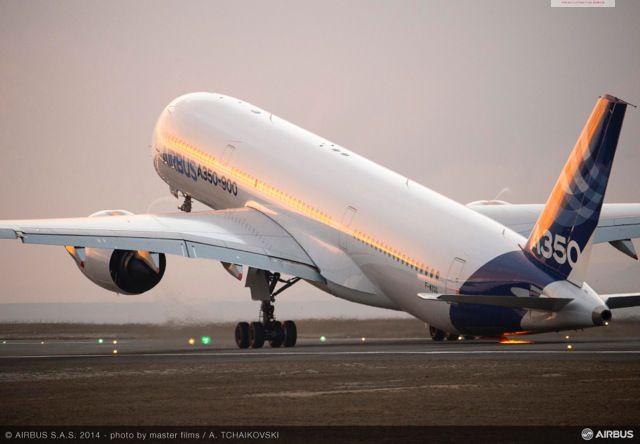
x,y
121,271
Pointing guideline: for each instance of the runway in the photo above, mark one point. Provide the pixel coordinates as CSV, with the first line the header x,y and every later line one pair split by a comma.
x,y
392,348
340,373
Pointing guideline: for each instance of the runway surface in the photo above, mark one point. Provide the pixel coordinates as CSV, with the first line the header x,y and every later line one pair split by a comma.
x,y
161,350
340,373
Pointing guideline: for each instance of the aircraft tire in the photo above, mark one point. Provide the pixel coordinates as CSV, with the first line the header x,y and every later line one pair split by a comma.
x,y
290,333
242,334
278,335
256,335
436,334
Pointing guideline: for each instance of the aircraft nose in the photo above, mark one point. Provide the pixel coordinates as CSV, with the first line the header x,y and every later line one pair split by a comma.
x,y
601,315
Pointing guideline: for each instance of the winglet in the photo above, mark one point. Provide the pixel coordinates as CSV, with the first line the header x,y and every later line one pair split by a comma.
x,y
614,99
562,237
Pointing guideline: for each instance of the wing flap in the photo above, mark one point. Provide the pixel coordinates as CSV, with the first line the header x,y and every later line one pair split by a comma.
x,y
532,303
7,233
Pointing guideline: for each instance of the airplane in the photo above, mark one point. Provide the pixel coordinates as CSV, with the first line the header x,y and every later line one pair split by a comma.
x,y
289,206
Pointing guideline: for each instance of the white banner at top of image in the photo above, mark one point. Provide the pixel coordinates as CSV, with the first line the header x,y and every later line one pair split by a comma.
x,y
583,3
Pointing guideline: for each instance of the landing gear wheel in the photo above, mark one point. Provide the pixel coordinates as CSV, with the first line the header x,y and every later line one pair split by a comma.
x,y
278,335
256,333
436,334
452,337
263,285
242,335
290,333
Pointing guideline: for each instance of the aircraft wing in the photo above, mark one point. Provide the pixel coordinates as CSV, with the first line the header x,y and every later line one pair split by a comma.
x,y
617,225
240,236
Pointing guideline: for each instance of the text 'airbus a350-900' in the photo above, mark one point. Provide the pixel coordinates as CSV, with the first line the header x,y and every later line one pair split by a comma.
x,y
288,205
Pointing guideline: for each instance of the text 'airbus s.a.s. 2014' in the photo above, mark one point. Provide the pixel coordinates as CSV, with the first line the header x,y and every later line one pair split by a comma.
x,y
290,203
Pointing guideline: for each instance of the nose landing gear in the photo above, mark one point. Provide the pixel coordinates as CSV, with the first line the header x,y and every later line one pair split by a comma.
x,y
186,205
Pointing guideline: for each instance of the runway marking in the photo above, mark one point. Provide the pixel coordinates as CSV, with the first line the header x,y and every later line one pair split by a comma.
x,y
330,353
308,394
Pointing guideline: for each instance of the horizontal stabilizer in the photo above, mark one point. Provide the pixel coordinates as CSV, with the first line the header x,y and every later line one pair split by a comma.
x,y
626,247
533,303
622,300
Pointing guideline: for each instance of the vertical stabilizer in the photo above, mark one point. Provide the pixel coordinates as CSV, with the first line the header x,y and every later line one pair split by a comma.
x,y
563,234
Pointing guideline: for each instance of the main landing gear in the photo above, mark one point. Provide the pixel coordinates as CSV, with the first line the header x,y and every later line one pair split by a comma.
x,y
267,329
440,335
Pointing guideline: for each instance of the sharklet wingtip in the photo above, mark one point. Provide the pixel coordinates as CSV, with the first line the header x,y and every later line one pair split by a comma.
x,y
615,99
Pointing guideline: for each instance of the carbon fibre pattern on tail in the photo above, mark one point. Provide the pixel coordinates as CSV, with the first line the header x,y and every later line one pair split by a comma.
x,y
562,237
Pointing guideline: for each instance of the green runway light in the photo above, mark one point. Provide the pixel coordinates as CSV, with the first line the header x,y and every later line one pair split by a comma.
x,y
323,338
206,340
100,341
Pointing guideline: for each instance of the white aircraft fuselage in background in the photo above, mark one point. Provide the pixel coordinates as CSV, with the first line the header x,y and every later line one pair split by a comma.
x,y
286,201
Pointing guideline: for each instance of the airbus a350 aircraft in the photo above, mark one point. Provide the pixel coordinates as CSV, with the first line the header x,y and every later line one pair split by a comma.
x,y
287,202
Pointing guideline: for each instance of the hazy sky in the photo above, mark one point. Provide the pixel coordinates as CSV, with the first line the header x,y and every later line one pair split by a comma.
x,y
465,97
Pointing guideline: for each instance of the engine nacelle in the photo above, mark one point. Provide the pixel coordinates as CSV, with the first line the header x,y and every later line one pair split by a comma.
x,y
120,271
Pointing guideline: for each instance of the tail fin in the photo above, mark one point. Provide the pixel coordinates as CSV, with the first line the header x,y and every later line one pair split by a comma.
x,y
563,234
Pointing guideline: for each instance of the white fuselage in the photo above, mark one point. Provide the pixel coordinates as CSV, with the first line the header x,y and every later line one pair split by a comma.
x,y
390,238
